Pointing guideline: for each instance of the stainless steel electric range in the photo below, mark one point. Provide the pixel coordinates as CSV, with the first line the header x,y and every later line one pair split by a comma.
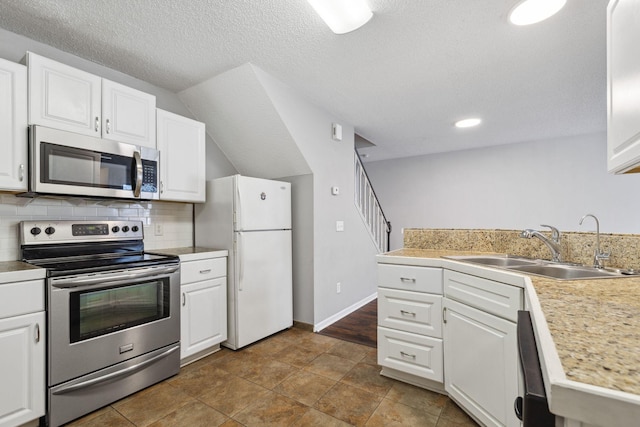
x,y
113,313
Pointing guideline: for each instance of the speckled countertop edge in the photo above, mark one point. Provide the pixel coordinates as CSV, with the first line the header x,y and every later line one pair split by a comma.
x,y
595,325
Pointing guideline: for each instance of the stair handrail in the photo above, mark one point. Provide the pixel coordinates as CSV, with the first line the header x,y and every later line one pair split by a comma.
x,y
381,231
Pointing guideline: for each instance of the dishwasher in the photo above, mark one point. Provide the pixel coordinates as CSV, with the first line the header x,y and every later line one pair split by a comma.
x,y
532,408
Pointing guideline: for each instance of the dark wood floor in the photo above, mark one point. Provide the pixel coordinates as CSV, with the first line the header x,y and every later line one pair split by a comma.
x,y
358,327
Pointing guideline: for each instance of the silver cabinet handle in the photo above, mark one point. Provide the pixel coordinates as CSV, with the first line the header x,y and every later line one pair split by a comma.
x,y
411,356
184,299
97,127
407,313
108,127
208,270
408,279
21,173
444,315
37,332
161,187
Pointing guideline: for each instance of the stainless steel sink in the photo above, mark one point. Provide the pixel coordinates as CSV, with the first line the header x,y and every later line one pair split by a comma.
x,y
554,270
503,261
567,272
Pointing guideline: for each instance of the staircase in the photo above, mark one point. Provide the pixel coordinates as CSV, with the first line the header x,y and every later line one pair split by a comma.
x,y
367,203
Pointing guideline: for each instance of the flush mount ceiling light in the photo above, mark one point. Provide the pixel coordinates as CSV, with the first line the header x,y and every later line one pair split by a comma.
x,y
468,123
342,16
531,11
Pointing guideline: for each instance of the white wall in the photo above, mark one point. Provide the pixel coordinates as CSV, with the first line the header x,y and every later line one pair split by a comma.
x,y
513,186
346,257
302,218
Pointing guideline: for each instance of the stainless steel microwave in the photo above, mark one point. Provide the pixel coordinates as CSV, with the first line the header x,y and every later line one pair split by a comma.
x,y
67,163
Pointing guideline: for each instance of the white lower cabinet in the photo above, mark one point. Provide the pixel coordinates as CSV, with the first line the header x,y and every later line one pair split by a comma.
x,y
22,352
480,346
203,313
410,324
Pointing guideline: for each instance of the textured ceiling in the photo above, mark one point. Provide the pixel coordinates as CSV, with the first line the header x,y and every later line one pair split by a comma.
x,y
401,80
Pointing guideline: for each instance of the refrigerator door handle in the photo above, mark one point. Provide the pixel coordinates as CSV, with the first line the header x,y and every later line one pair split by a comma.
x,y
240,257
237,209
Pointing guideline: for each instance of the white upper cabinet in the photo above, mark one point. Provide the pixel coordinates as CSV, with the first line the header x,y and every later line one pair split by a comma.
x,y
623,81
128,115
181,142
13,126
63,97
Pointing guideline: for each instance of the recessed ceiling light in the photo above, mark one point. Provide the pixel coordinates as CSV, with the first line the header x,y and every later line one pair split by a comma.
x,y
342,16
531,11
468,123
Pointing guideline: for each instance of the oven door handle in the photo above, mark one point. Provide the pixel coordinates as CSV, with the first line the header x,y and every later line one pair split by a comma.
x,y
75,281
108,377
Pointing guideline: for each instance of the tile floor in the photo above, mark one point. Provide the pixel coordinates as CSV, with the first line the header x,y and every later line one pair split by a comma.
x,y
294,378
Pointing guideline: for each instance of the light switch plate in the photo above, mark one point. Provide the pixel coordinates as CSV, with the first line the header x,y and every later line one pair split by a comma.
x,y
339,225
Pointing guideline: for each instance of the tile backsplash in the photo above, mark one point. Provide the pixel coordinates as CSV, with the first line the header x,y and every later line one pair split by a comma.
x,y
175,219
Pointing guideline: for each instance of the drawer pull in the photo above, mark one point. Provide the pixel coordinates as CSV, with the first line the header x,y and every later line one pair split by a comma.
x,y
208,270
411,356
408,279
407,313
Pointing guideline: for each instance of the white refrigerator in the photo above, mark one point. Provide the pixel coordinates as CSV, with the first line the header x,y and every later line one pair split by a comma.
x,y
251,218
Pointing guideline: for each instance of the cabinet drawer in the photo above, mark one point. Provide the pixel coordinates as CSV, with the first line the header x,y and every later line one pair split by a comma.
x,y
21,298
411,353
491,297
408,311
410,278
195,271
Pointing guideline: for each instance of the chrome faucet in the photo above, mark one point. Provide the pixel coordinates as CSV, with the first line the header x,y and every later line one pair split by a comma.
x,y
553,244
598,255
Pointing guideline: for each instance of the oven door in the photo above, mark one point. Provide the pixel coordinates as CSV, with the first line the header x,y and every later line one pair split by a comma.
x,y
67,163
97,320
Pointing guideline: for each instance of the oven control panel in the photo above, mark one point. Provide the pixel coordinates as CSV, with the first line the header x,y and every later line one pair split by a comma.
x,y
63,231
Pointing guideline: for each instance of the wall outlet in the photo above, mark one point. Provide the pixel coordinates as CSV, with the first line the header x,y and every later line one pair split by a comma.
x,y
158,229
338,287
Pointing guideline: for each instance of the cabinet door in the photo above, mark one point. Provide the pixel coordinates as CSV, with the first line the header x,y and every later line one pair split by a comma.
x,y
128,115
181,142
623,79
13,126
481,363
63,97
22,388
203,315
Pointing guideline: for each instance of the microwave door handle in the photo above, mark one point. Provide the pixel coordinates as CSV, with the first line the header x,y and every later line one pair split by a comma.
x,y
138,187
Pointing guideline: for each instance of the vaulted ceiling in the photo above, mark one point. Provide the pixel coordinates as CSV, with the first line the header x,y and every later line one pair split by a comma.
x,y
401,80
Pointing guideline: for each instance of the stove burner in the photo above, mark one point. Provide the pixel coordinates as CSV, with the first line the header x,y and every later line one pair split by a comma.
x,y
78,247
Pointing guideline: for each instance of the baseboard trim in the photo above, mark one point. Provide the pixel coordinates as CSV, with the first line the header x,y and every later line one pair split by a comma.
x,y
347,311
302,325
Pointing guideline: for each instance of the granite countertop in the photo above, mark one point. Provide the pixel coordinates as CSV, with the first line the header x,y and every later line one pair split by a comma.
x,y
13,271
594,323
193,253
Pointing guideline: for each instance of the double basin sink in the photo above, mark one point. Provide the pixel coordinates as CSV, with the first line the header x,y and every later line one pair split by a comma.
x,y
554,270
